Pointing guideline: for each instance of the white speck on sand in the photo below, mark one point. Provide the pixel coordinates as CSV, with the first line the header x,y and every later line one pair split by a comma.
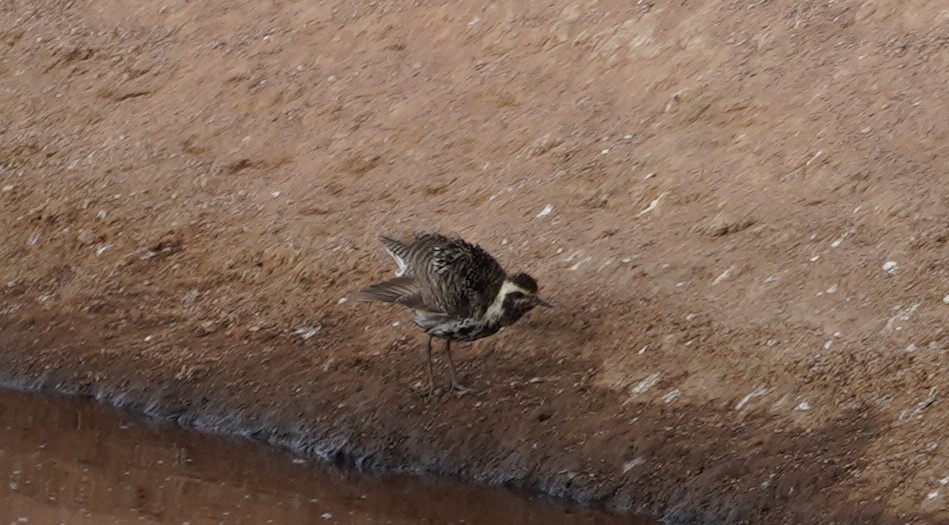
x,y
803,406
724,275
307,332
630,465
646,383
545,212
891,267
342,300
652,205
904,314
758,392
581,262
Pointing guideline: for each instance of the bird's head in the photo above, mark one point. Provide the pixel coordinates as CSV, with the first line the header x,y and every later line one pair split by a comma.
x,y
519,296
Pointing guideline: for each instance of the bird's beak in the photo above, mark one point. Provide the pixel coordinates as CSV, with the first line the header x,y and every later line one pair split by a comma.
x,y
542,302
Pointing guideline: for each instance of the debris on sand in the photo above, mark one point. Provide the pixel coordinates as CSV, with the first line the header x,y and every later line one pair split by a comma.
x,y
308,331
910,413
652,205
891,267
724,275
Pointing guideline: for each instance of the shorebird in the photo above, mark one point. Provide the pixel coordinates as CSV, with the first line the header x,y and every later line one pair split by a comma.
x,y
458,292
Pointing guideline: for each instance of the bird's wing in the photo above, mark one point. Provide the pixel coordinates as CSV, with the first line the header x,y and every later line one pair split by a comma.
x,y
401,290
456,277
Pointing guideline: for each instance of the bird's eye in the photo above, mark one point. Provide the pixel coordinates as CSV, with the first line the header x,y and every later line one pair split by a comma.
x,y
517,295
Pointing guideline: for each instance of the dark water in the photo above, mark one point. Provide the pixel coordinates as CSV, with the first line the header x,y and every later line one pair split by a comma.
x,y
72,461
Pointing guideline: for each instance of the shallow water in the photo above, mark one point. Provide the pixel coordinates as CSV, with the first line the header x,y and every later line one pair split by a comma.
x,y
72,461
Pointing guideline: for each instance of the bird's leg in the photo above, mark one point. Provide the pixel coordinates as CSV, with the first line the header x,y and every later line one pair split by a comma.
x,y
455,385
431,376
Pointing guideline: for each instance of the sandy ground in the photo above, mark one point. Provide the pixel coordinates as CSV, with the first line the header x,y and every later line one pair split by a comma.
x,y
740,209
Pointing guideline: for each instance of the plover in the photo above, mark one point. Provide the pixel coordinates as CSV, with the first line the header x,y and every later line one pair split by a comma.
x,y
457,290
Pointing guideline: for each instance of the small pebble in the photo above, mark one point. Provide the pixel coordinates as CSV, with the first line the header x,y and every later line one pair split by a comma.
x,y
890,267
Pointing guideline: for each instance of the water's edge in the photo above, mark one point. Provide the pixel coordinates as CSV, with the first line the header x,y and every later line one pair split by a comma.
x,y
324,444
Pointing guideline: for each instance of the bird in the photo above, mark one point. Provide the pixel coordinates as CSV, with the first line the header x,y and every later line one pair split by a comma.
x,y
457,291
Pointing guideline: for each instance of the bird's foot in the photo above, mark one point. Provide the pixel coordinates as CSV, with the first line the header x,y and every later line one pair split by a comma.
x,y
460,389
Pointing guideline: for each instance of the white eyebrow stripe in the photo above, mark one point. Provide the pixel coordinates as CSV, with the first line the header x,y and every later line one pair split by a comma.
x,y
496,309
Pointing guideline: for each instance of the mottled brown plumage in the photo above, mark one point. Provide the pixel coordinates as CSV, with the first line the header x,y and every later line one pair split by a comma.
x,y
457,290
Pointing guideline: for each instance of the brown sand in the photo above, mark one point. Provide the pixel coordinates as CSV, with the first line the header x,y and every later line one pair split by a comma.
x,y
190,190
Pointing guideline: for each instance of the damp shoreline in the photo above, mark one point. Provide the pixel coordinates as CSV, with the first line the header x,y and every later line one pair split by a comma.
x,y
136,468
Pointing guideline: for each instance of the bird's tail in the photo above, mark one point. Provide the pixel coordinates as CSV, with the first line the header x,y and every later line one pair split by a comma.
x,y
401,290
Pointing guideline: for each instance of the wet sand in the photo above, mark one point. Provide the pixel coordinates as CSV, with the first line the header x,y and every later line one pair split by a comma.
x,y
74,461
